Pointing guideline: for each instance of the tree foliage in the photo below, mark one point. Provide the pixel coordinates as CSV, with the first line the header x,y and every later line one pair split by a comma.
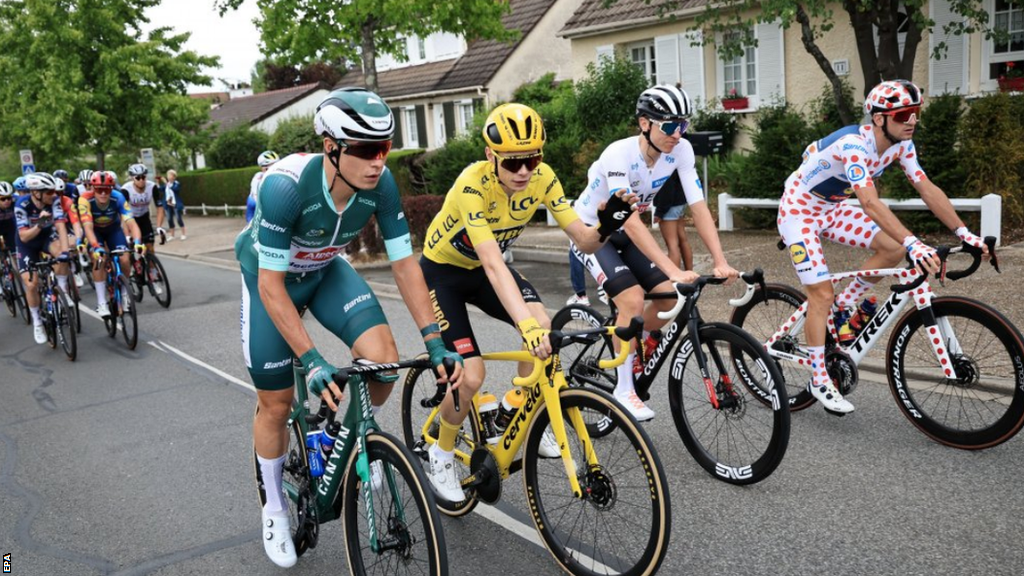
x,y
296,135
302,31
237,148
80,73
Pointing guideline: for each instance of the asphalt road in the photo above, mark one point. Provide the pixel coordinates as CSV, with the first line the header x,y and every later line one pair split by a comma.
x,y
139,463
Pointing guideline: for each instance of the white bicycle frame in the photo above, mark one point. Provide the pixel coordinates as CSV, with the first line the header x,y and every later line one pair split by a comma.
x,y
941,337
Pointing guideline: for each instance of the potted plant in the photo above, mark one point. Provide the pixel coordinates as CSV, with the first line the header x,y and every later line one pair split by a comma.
x,y
1012,80
735,101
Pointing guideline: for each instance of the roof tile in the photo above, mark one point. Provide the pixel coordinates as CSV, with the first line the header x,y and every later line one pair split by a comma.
x,y
252,109
591,13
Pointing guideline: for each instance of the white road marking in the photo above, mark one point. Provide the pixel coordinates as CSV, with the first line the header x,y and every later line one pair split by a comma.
x,y
165,347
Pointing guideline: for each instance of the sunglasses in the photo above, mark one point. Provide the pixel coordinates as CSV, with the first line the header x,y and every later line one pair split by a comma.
x,y
367,150
139,177
669,128
516,163
6,199
98,190
904,115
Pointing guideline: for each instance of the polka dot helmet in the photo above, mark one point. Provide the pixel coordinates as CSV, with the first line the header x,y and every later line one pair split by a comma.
x,y
892,95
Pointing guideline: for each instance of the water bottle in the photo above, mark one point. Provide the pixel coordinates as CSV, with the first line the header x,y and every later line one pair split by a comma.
x,y
488,414
327,439
509,405
865,311
316,459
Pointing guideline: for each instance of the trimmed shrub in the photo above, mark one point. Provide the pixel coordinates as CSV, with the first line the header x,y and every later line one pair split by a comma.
x,y
992,152
608,95
217,187
236,148
442,166
295,135
405,167
823,116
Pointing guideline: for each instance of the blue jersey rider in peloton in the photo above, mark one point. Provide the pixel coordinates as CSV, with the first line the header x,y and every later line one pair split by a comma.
x,y
815,206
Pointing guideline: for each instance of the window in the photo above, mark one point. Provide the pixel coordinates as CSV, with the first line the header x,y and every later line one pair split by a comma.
x,y
642,55
1009,17
740,73
412,129
463,117
421,45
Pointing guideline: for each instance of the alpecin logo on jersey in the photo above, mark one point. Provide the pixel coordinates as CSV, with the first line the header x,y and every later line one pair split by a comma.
x,y
318,256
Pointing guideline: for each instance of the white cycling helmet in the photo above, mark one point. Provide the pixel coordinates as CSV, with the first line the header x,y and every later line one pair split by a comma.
x,y
663,102
6,189
137,170
85,176
267,158
40,181
58,185
892,95
354,114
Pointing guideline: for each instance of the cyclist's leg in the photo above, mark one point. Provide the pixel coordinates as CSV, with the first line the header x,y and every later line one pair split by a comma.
x,y
28,254
852,227
651,279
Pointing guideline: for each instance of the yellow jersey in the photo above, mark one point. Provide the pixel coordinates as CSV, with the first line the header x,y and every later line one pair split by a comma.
x,y
477,209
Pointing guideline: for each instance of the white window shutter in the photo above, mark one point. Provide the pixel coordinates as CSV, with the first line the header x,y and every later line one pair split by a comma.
x,y
950,73
691,66
771,63
606,51
666,58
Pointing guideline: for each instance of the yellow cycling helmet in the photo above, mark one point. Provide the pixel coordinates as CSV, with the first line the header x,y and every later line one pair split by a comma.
x,y
514,128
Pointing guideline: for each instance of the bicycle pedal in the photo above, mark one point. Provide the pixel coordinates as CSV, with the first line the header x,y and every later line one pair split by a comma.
x,y
834,413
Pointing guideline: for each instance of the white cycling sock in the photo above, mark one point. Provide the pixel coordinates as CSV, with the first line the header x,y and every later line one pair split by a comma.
x,y
820,374
271,470
62,281
36,320
625,383
101,292
853,293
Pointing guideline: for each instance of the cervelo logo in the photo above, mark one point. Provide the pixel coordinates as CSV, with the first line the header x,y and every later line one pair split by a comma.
x,y
271,226
356,300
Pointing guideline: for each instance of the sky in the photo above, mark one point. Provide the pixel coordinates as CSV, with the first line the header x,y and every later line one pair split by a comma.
x,y
234,37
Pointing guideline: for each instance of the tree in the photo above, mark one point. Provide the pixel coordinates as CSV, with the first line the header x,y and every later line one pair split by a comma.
x,y
303,31
92,79
889,18
237,148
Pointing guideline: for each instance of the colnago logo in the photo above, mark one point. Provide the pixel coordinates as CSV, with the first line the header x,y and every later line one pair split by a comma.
x,y
271,226
901,385
312,207
278,364
516,425
667,339
356,300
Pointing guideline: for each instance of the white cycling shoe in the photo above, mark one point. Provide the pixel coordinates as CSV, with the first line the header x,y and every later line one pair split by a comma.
x,y
548,445
103,310
443,476
635,405
831,399
577,299
377,475
277,539
39,333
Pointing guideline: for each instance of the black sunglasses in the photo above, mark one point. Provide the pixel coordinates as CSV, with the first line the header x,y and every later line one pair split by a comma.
x,y
367,150
143,177
516,163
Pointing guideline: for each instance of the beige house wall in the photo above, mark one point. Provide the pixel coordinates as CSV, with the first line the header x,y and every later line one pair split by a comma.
x,y
539,53
430,104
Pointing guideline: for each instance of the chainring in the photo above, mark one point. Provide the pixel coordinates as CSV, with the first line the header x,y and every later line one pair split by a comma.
x,y
842,370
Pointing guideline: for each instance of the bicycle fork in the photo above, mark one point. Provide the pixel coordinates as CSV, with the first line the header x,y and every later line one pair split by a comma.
x,y
550,389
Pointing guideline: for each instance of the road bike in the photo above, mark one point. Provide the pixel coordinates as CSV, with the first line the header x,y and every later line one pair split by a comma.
x,y
391,528
727,401
148,272
955,366
58,320
14,290
121,302
602,507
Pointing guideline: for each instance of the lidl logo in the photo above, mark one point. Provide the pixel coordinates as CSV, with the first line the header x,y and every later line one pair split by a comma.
x,y
798,252
856,172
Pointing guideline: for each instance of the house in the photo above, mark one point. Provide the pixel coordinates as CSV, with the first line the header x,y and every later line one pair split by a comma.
x,y
446,79
779,67
264,111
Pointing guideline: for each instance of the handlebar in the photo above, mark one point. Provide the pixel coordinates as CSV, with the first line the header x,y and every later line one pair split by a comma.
x,y
683,291
752,280
560,338
943,253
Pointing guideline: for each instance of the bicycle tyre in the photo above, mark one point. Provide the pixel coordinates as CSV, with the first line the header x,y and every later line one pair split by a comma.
x,y
19,287
65,329
156,278
10,292
420,384
743,440
579,360
48,311
761,321
627,491
297,485
128,314
76,298
110,321
136,278
414,533
993,392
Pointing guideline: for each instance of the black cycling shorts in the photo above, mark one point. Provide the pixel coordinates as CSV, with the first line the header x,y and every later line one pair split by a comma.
x,y
619,265
453,287
145,228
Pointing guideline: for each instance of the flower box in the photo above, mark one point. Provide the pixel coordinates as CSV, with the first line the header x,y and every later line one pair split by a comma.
x,y
1011,84
735,103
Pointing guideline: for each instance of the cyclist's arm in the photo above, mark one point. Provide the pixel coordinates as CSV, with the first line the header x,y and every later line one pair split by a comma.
x,y
134,229
880,213
938,203
62,235
413,288
90,233
282,311
502,281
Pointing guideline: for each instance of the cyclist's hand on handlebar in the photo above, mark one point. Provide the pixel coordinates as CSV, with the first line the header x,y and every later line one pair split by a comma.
x,y
98,252
923,255
535,338
685,277
967,237
318,378
438,353
140,249
726,271
64,257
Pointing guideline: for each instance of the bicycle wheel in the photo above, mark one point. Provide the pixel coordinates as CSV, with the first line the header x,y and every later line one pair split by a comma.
x,y
407,526
128,314
579,359
76,299
743,439
156,278
19,288
984,405
10,295
761,320
622,523
297,486
137,278
48,310
65,327
421,385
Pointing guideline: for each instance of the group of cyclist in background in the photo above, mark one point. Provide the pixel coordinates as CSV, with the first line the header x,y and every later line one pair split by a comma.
x,y
49,216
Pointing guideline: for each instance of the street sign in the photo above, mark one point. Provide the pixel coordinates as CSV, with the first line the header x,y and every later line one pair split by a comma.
x,y
28,168
26,157
149,161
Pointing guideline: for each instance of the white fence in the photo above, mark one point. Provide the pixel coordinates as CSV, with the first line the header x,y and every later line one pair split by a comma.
x,y
990,206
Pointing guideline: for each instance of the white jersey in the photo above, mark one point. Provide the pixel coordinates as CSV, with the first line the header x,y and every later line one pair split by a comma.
x,y
622,165
254,186
139,201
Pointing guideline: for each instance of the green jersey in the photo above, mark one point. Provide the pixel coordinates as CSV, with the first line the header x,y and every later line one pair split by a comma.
x,y
296,228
